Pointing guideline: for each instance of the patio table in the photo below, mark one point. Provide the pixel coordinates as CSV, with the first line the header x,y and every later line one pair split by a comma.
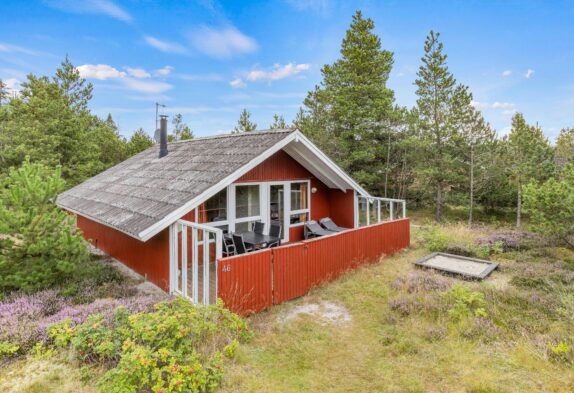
x,y
258,239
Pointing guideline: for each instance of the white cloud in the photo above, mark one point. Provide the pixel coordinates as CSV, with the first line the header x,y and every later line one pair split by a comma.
x,y
131,81
494,105
506,72
502,105
164,46
138,72
164,71
222,44
12,86
100,71
210,77
237,83
104,7
146,86
7,48
321,6
529,74
509,112
277,72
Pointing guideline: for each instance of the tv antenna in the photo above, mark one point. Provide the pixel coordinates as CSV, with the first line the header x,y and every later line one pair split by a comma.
x,y
157,106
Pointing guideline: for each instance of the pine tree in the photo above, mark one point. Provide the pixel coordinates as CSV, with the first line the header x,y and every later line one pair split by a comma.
x,y
565,148
51,123
530,157
349,115
181,130
278,122
435,88
139,141
476,137
3,92
244,123
39,244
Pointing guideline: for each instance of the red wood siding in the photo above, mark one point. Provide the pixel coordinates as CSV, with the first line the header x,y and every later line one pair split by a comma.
x,y
245,284
149,258
296,268
280,166
342,207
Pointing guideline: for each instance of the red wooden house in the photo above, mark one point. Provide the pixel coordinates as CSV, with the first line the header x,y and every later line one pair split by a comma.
x,y
155,212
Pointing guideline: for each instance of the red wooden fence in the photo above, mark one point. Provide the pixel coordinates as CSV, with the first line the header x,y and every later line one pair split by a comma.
x,y
252,282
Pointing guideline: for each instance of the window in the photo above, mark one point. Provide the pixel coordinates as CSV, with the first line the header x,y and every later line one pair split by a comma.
x,y
246,226
299,203
299,193
247,201
215,209
299,218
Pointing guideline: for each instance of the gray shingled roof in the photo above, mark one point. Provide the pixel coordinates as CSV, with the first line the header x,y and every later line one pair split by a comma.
x,y
139,192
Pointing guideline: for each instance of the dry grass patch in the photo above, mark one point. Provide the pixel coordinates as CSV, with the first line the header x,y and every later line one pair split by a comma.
x,y
419,350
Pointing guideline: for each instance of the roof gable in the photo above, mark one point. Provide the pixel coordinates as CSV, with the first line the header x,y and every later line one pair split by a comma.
x,y
145,194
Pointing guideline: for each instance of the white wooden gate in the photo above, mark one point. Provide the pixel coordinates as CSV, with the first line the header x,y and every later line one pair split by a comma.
x,y
194,253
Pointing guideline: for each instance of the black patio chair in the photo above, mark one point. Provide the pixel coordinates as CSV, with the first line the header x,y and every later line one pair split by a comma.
x,y
240,246
312,229
259,227
228,246
275,229
330,225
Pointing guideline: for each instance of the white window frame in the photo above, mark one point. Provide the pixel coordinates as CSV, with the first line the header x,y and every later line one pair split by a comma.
x,y
231,204
300,211
264,198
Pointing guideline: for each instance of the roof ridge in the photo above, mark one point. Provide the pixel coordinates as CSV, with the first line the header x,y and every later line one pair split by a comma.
x,y
237,134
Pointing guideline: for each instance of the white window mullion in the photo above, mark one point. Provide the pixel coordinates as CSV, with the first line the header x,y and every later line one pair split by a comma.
x,y
231,208
264,205
287,211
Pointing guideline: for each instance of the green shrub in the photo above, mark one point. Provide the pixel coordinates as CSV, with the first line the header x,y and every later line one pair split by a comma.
x,y
551,206
8,349
560,352
39,244
436,240
177,348
465,303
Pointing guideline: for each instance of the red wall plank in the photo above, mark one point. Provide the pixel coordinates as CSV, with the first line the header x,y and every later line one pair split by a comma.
x,y
342,206
280,166
149,258
244,282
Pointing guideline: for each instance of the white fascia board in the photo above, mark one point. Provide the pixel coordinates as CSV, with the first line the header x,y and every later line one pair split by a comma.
x,y
295,136
303,139
211,191
322,174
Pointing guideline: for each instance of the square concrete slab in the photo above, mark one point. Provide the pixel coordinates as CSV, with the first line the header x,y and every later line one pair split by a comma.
x,y
456,264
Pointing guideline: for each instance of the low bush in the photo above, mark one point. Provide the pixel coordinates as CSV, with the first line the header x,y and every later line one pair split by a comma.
x,y
465,303
24,318
422,281
176,348
561,352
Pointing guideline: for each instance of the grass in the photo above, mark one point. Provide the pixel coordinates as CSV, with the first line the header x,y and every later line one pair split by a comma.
x,y
401,336
389,350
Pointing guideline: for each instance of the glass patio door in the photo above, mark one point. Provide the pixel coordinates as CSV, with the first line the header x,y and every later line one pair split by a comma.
x,y
277,206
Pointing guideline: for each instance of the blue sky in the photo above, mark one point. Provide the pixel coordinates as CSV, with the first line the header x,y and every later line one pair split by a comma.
x,y
209,59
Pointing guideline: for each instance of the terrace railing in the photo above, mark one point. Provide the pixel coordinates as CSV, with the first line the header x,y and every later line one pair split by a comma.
x,y
374,210
195,250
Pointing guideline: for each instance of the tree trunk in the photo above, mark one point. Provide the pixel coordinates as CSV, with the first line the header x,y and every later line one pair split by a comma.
x,y
519,204
471,207
438,216
388,163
